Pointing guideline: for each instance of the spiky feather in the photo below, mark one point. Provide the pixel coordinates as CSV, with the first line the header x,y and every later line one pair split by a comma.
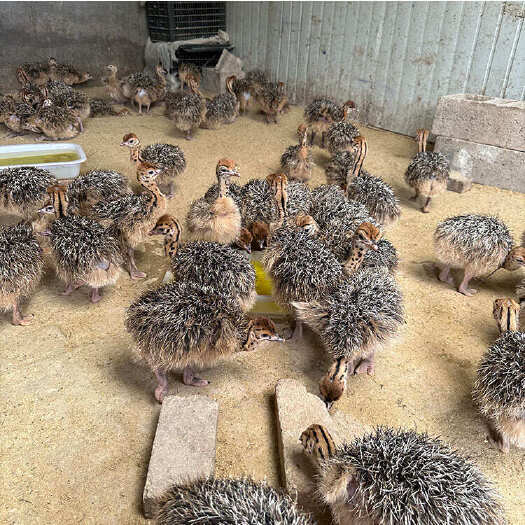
x,y
341,136
167,156
340,164
427,166
187,110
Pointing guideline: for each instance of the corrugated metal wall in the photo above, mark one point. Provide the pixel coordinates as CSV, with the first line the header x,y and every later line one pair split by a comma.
x,y
394,59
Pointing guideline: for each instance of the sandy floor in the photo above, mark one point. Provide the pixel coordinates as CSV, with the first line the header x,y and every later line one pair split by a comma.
x,y
78,415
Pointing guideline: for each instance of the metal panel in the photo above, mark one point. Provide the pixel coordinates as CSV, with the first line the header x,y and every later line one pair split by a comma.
x,y
394,59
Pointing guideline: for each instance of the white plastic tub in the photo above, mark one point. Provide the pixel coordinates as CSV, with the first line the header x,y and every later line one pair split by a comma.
x,y
61,170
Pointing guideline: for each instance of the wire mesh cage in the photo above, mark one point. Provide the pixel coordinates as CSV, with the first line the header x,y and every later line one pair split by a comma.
x,y
169,21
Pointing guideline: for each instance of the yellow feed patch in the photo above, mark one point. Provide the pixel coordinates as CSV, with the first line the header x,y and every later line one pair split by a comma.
x,y
263,283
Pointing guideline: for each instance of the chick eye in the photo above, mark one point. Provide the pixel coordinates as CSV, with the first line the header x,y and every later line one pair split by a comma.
x,y
265,336
151,172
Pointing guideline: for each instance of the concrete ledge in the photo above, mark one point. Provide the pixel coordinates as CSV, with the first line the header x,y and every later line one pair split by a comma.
x,y
183,448
485,120
484,164
296,410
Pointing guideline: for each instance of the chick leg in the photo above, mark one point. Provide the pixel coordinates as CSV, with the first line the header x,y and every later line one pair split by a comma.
x,y
189,378
323,137
18,318
134,272
444,275
162,387
94,295
425,209
415,197
463,287
70,288
366,366
297,334
188,135
312,138
499,439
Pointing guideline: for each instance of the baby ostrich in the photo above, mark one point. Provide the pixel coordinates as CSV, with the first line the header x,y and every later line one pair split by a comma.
x,y
241,88
55,122
181,326
167,157
187,110
208,264
134,216
399,477
373,192
147,95
66,73
83,251
340,136
272,100
428,171
297,161
479,244
23,191
96,185
187,70
219,221
319,115
498,388
21,268
229,501
113,85
223,108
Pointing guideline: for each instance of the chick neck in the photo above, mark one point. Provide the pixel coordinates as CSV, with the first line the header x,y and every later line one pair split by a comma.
x,y
361,151
356,257
508,317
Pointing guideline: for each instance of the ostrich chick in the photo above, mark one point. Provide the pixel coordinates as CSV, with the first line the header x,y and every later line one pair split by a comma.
x,y
167,157
297,161
55,122
223,108
319,115
219,221
23,191
147,95
399,477
498,388
228,502
134,216
340,136
113,85
83,251
479,244
428,171
209,264
186,71
21,268
181,325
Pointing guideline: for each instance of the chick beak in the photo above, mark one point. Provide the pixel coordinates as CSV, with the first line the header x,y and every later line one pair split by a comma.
x,y
261,245
328,404
123,144
234,172
277,338
248,248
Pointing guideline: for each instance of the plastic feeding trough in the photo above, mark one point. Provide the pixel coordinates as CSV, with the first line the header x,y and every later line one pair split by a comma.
x,y
62,160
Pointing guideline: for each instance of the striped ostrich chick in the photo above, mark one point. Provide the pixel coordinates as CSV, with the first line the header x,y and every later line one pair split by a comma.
x,y
133,216
66,73
222,109
297,161
101,108
113,85
400,477
241,88
169,158
34,72
479,244
209,264
229,501
74,101
55,122
145,96
182,326
21,268
187,110
187,70
131,83
256,80
340,168
96,185
23,191
272,100
220,220
498,388
373,192
341,135
428,171
319,115
83,251
16,116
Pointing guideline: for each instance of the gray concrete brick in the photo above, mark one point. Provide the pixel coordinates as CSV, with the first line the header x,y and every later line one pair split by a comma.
x,y
484,164
183,448
458,182
296,410
485,120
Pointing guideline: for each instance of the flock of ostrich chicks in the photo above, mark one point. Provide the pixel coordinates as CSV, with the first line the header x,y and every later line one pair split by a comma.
x,y
324,249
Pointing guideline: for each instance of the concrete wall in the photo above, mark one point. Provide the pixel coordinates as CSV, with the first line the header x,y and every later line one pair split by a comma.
x,y
394,59
86,34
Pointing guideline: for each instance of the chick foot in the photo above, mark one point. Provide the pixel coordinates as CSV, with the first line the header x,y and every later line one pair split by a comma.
x,y
162,388
189,378
365,366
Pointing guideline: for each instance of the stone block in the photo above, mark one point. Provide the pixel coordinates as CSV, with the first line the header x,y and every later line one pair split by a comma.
x,y
458,182
183,448
485,164
296,410
486,120
214,78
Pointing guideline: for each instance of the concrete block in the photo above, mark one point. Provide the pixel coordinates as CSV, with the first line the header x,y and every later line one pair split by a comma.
x,y
296,410
458,182
485,120
504,168
183,448
214,78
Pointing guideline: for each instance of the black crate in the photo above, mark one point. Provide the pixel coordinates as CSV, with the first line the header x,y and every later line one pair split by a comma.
x,y
169,21
200,55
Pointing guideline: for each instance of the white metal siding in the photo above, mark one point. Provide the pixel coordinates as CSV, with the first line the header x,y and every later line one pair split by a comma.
x,y
394,59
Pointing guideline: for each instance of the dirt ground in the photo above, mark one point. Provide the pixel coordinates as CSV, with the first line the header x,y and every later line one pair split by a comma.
x,y
78,414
